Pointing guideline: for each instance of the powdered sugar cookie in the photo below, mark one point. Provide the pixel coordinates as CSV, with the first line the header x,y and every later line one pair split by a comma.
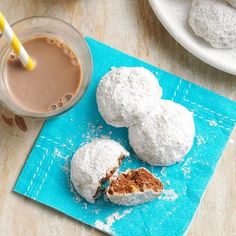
x,y
134,187
165,136
126,94
232,2
215,21
94,163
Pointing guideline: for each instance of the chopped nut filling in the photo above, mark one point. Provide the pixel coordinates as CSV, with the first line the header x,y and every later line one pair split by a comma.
x,y
135,181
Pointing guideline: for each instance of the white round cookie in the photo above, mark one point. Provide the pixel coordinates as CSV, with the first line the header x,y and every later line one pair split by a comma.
x,y
136,197
215,21
232,2
93,163
165,136
126,94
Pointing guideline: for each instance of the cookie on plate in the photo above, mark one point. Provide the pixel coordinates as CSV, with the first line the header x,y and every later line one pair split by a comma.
x,y
214,21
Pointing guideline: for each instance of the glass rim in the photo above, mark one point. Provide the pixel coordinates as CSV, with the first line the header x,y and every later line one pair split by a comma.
x,y
77,97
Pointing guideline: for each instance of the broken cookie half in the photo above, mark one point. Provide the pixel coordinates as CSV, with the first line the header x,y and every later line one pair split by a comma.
x,y
93,164
134,187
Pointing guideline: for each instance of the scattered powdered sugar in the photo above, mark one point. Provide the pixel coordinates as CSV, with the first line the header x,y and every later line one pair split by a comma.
x,y
66,167
213,123
70,142
116,216
99,128
104,227
96,211
105,137
58,154
169,195
77,198
168,182
107,226
200,140
163,171
85,205
184,190
93,131
167,215
186,168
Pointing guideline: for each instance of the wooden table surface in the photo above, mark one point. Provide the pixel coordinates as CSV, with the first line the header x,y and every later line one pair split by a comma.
x,y
131,26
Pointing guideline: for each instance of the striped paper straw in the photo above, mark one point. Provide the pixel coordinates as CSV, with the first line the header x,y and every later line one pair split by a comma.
x,y
16,44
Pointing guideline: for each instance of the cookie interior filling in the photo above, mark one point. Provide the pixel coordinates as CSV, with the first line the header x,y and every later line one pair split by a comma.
x,y
109,175
137,180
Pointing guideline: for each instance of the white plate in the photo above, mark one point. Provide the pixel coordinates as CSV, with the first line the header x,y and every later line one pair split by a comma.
x,y
173,14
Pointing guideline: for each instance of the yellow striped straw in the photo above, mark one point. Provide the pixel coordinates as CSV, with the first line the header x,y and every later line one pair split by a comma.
x,y
16,44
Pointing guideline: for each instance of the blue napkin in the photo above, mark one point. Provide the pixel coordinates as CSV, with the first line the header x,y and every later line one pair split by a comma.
x,y
45,176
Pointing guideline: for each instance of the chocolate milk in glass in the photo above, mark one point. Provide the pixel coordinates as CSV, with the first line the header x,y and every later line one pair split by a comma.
x,y
54,81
